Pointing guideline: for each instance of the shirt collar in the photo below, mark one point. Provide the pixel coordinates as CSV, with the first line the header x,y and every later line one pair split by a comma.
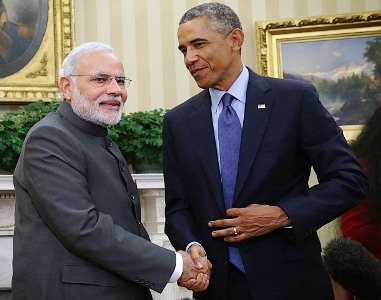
x,y
238,89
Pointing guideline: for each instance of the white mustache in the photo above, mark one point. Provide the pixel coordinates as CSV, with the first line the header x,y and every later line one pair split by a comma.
x,y
104,99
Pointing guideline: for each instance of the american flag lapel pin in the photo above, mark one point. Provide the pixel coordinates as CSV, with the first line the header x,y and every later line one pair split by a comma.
x,y
261,106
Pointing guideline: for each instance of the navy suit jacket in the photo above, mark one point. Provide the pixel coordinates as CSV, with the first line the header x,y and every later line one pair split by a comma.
x,y
286,131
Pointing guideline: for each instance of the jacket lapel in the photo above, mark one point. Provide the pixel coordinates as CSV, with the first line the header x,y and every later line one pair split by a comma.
x,y
258,107
201,125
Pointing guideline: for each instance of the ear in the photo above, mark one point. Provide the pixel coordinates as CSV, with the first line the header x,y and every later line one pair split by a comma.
x,y
66,87
237,37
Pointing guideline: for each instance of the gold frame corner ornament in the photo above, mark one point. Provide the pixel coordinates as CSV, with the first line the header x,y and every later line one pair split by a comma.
x,y
271,34
38,78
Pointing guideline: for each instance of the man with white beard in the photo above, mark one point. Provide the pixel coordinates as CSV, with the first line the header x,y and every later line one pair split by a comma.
x,y
78,231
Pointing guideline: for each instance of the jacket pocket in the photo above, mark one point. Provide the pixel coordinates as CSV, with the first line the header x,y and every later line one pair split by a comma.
x,y
88,275
309,248
275,145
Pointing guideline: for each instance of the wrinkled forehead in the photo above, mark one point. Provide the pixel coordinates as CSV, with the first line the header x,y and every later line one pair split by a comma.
x,y
195,26
105,62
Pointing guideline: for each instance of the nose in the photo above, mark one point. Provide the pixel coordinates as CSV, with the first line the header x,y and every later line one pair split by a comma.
x,y
114,88
190,57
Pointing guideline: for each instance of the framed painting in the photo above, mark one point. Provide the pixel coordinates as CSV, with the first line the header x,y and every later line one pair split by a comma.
x,y
35,36
338,54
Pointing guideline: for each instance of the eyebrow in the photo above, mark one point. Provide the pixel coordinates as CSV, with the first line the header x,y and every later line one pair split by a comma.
x,y
102,73
197,40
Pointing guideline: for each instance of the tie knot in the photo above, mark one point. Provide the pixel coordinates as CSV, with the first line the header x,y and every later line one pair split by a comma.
x,y
227,99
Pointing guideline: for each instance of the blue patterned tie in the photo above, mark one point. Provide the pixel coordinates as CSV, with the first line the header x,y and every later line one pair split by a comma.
x,y
229,136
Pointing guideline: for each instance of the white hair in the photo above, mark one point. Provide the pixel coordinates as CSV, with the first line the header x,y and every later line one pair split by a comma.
x,y
70,62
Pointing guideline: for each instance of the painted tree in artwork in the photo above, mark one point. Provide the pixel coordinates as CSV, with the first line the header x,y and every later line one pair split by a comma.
x,y
373,54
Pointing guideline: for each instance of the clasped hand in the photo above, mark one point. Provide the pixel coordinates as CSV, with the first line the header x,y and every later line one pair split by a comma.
x,y
196,269
241,223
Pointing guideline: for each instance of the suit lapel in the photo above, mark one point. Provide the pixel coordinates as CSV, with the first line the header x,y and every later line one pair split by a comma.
x,y
202,131
259,102
258,107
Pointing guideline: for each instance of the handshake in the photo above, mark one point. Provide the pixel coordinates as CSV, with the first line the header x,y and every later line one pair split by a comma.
x,y
196,269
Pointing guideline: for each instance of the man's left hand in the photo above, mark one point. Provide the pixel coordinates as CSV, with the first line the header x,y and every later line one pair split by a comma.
x,y
244,223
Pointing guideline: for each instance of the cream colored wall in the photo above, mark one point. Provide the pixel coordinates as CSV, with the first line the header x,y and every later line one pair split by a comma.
x,y
143,32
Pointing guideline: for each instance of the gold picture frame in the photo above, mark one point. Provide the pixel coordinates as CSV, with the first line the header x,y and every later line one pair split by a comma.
x,y
273,37
34,75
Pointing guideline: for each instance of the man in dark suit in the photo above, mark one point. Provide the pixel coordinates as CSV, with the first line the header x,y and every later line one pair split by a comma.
x,y
264,244
78,231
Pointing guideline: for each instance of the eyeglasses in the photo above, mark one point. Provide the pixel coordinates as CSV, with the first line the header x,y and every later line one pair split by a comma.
x,y
102,79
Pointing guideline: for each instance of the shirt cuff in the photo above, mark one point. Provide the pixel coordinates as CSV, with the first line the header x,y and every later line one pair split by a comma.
x,y
178,269
191,244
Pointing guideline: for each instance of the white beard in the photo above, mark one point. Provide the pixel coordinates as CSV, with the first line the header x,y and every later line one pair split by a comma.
x,y
89,110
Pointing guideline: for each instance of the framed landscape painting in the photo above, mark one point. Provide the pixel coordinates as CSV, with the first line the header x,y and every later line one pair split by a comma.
x,y
340,55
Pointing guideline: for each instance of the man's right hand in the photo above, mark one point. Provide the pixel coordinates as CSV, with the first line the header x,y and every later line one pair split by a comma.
x,y
198,255
194,277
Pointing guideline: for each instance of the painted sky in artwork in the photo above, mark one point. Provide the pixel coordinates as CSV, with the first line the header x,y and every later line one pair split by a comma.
x,y
331,59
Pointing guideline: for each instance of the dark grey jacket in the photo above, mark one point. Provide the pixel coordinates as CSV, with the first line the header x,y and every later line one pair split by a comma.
x,y
78,230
